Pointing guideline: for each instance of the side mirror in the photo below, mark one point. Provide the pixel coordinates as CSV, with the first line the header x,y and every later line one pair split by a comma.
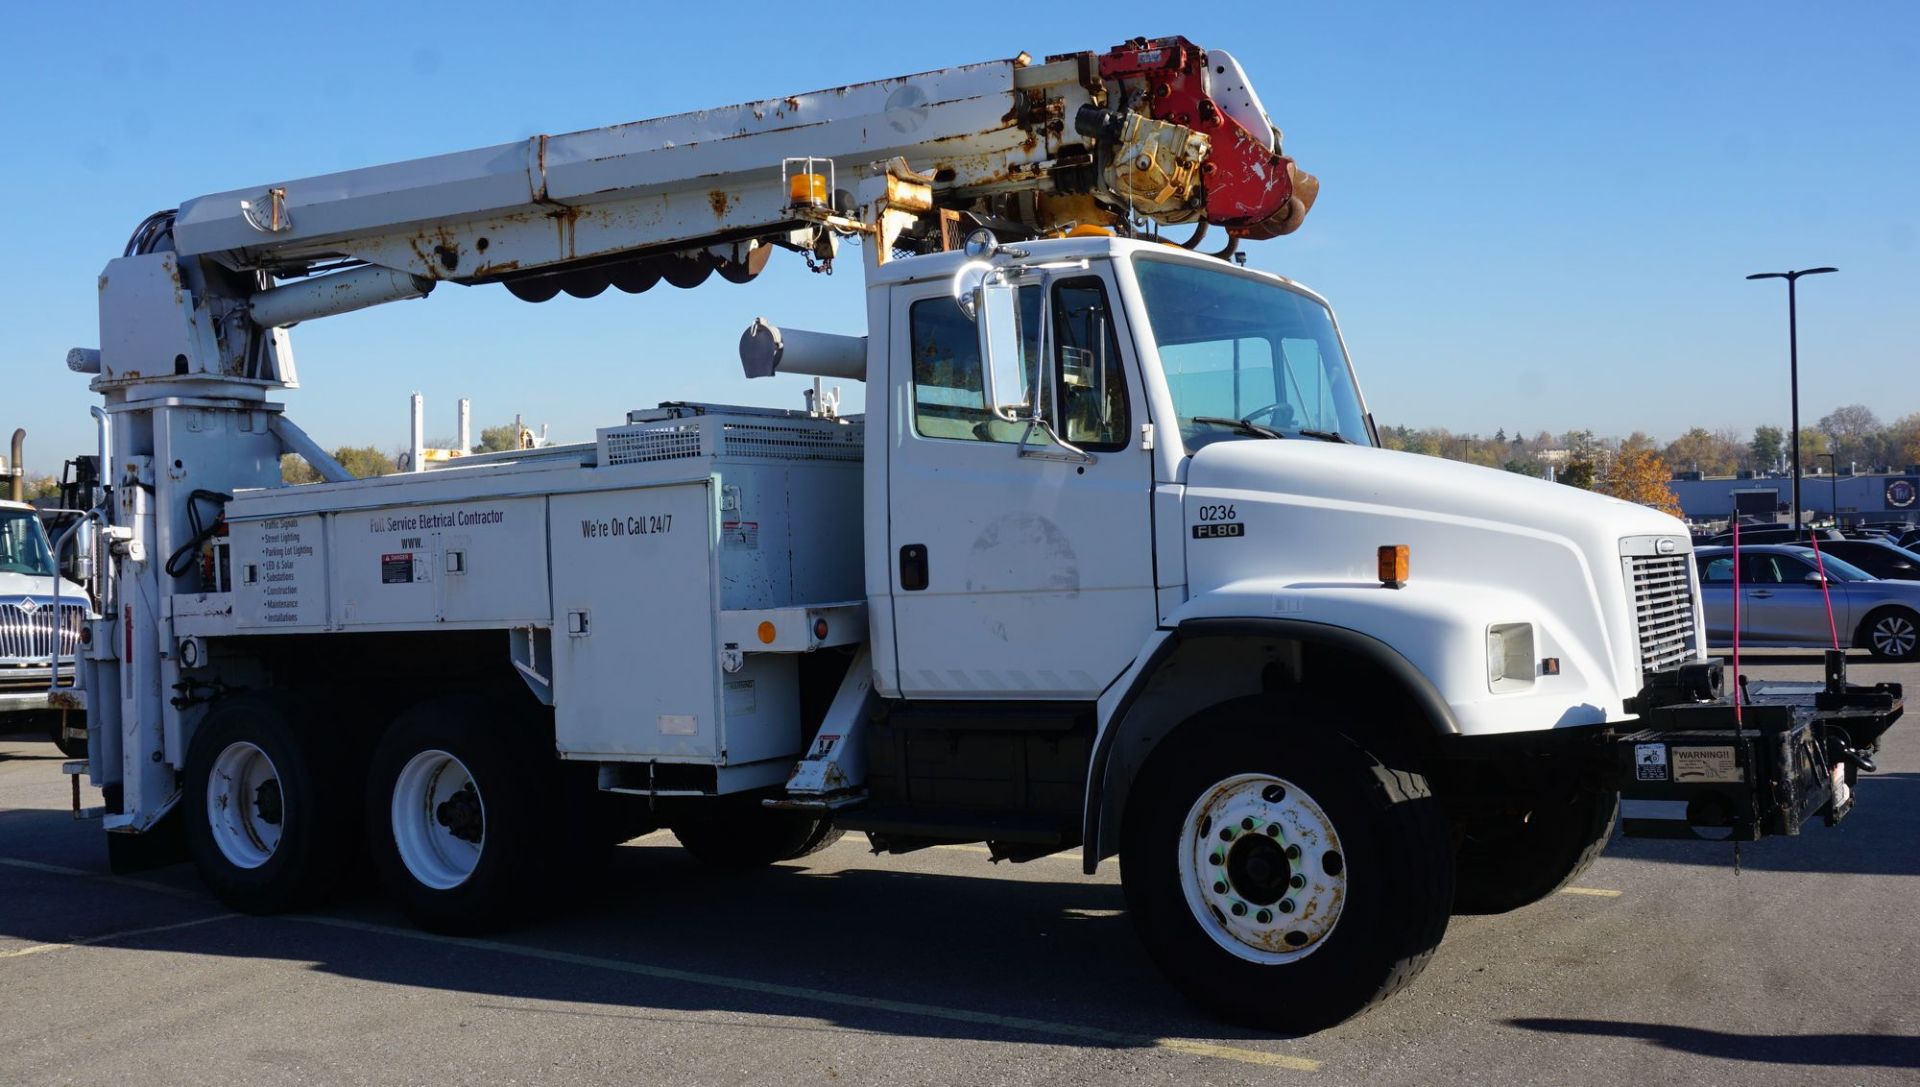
x,y
1813,577
1002,365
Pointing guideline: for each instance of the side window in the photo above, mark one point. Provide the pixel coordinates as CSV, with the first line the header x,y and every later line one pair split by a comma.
x,y
1717,569
1092,394
1088,404
1792,571
949,394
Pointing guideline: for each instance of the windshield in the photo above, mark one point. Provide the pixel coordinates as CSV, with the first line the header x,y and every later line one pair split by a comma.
x,y
23,545
1235,346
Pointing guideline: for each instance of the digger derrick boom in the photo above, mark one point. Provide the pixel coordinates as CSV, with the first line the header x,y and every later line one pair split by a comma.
x,y
1116,140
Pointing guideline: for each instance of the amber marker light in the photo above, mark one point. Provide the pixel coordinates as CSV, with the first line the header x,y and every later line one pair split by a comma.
x,y
1393,565
767,633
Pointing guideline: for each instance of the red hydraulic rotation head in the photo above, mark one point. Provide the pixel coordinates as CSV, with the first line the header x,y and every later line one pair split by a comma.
x,y
1251,188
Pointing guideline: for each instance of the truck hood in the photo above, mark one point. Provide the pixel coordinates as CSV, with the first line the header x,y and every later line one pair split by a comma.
x,y
14,586
1411,482
1487,548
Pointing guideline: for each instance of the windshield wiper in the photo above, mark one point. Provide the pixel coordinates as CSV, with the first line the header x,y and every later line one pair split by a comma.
x,y
1244,426
1326,436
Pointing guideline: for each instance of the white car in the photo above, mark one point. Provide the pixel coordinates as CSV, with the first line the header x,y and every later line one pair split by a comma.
x,y
28,624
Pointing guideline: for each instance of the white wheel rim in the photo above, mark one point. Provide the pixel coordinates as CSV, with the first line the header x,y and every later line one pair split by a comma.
x,y
1894,636
246,807
1262,869
439,820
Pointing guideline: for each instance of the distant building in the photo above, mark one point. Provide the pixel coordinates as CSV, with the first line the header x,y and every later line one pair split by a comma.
x,y
1849,499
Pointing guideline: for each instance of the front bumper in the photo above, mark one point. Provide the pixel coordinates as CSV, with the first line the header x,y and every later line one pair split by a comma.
x,y
1791,753
23,690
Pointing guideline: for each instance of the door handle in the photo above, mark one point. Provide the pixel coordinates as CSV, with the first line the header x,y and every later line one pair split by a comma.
x,y
913,567
1762,594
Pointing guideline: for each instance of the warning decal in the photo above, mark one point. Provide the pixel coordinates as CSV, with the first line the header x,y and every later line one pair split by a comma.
x,y
396,569
1705,764
1650,762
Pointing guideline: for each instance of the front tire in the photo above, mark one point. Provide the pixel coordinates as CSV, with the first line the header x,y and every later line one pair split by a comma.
x,y
459,804
1891,634
1280,874
1509,861
271,811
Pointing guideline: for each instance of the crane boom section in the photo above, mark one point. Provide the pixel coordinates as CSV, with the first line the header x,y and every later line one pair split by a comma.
x,y
653,184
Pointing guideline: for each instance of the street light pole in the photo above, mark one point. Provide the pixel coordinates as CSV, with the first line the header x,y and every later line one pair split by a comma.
x,y
1833,483
1793,369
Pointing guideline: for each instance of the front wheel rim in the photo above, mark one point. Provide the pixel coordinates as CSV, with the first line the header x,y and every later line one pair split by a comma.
x,y
1894,636
246,807
439,819
1262,869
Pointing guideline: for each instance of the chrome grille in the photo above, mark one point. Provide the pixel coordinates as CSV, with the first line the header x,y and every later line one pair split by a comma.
x,y
1662,609
26,628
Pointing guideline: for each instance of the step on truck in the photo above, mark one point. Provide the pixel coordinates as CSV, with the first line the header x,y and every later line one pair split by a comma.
x,y
1112,562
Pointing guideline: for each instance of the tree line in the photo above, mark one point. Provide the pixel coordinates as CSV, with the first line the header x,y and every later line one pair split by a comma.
x,y
1637,467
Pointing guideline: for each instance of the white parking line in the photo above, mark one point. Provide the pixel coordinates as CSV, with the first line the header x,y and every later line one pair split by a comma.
x,y
829,997
41,949
1072,1031
1596,892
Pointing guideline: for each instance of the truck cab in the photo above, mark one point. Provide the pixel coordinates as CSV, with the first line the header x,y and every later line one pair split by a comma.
x,y
1200,449
28,624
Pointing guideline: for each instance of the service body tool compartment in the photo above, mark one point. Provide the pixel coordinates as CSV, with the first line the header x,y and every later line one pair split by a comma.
x,y
279,571
636,667
468,560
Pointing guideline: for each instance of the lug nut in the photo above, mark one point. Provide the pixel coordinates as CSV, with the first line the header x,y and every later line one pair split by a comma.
x,y
1286,905
1264,916
1273,830
1273,794
1219,887
1239,909
1226,834
1217,860
1293,852
1247,823
1298,882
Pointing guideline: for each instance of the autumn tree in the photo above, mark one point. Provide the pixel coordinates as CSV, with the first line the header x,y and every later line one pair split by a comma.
x,y
1578,472
1641,476
360,461
1902,438
1855,433
1767,445
1704,451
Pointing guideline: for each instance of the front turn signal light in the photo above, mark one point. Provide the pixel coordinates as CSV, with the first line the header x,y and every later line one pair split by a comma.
x,y
1393,565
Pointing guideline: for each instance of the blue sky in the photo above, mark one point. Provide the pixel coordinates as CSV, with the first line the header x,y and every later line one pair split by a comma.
x,y
1532,217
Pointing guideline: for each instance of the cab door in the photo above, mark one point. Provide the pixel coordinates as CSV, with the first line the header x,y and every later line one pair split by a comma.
x,y
1784,607
1017,576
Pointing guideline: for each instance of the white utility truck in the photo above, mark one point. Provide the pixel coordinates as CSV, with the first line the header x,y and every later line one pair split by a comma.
x,y
1112,562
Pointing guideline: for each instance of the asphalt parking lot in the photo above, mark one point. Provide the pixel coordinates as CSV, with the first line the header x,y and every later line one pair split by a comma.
x,y
1663,965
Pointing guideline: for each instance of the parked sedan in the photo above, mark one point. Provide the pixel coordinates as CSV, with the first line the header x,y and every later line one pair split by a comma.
x,y
1877,556
1781,603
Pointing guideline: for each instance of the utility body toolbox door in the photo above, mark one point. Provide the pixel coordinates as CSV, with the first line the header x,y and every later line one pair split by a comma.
x,y
636,668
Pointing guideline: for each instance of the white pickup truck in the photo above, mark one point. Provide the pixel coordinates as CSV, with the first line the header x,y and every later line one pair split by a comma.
x,y
27,626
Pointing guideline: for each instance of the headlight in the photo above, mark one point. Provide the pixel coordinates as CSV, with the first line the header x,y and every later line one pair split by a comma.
x,y
1509,657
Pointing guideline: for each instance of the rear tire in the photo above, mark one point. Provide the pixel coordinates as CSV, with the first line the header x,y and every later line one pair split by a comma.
x,y
734,835
1512,861
57,732
272,816
460,814
1280,874
1891,634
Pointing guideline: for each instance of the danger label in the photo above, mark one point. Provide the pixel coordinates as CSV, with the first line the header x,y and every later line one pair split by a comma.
x,y
1650,762
1705,764
396,569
